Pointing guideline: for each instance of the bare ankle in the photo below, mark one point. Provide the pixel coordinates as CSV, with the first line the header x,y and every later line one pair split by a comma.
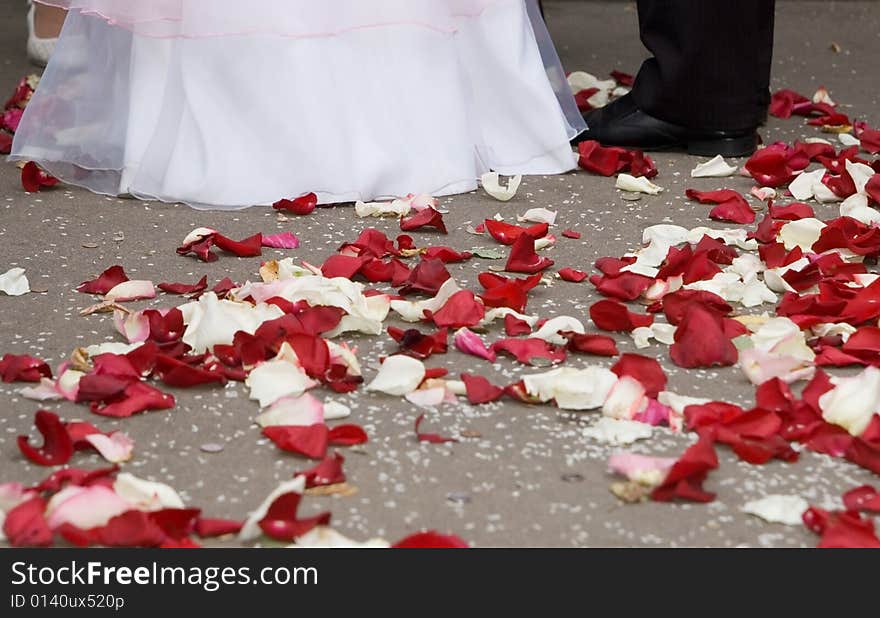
x,y
48,21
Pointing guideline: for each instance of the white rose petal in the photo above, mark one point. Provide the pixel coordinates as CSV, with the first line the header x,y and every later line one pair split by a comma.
x,y
85,507
397,208
778,509
853,401
848,139
131,290
211,321
626,399
538,215
802,233
333,410
414,311
322,537
764,193
115,448
803,187
14,282
856,207
617,432
714,168
737,237
146,495
581,80
398,375
492,185
549,332
626,182
573,389
280,377
303,411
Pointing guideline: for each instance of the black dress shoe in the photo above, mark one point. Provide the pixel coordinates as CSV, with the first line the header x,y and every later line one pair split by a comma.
x,y
621,123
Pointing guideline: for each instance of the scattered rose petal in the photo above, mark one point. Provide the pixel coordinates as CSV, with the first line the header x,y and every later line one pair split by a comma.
x,y
432,438
303,205
492,185
714,168
14,282
626,182
398,375
777,509
284,240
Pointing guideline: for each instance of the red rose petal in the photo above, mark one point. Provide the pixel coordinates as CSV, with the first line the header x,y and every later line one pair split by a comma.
x,y
514,327
462,309
426,278
26,526
572,275
176,523
432,438
428,217
612,315
419,345
282,523
770,166
209,528
572,234
624,79
480,390
784,102
431,540
347,435
700,341
598,345
623,286
33,179
344,266
646,370
303,205
310,440
446,254
185,288
327,472
57,446
524,259
251,246
23,368
792,212
582,97
137,397
863,498
177,373
5,143
870,140
685,479
675,305
507,234
527,351
105,282
731,205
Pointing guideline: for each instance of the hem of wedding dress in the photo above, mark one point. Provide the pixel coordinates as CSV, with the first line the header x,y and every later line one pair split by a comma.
x,y
550,163
136,27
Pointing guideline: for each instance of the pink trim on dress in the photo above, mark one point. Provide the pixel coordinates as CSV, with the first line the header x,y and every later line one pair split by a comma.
x,y
304,18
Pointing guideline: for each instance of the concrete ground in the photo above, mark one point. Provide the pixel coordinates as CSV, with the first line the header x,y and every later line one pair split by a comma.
x,y
531,478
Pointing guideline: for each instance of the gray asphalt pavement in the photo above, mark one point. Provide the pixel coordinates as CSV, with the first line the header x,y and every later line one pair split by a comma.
x,y
531,478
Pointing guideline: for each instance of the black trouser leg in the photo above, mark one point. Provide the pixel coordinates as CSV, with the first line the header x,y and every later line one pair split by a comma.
x,y
711,64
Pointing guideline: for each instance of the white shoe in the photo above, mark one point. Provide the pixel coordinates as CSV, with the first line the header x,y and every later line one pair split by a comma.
x,y
38,50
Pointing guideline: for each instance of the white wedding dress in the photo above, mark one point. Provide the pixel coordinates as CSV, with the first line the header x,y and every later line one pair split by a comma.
x,y
228,104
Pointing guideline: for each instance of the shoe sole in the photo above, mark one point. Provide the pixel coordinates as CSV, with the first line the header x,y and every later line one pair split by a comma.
x,y
732,147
